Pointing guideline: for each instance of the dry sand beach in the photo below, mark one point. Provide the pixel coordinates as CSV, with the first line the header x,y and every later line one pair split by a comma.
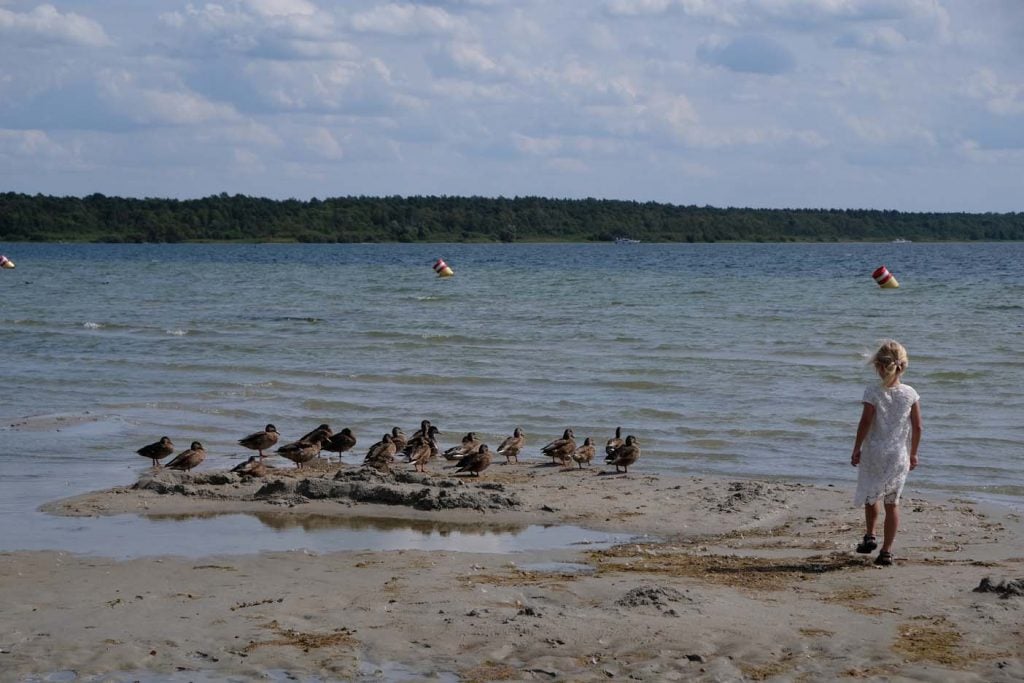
x,y
724,580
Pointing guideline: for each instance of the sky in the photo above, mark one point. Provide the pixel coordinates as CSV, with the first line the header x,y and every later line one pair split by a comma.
x,y
910,105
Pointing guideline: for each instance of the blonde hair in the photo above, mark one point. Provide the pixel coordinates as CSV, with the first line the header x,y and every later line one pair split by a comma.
x,y
890,361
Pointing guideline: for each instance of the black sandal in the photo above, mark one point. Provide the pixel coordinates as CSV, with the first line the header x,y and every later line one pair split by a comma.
x,y
884,558
867,545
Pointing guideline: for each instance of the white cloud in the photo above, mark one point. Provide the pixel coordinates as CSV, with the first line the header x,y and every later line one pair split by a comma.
x,y
323,143
1000,98
408,20
884,39
46,24
150,105
277,8
32,144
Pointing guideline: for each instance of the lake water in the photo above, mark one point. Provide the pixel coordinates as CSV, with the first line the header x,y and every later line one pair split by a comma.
x,y
736,359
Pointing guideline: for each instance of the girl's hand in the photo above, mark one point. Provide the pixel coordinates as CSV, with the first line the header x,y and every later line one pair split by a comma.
x,y
855,458
913,460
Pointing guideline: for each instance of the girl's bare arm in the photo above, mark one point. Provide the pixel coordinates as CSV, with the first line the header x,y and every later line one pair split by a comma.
x,y
915,432
866,416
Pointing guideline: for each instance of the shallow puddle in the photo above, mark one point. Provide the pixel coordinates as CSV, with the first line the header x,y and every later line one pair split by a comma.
x,y
129,536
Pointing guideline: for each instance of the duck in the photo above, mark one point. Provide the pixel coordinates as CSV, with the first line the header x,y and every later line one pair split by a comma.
x,y
253,467
398,438
585,453
428,437
305,449
511,446
470,444
186,460
625,455
475,462
381,452
613,443
338,443
419,455
560,450
322,429
427,430
260,441
157,451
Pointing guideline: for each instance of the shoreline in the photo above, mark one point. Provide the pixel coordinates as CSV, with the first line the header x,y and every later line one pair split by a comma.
x,y
738,580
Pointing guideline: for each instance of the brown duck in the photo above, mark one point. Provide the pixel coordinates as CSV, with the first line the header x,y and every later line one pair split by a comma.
x,y
560,450
253,467
511,446
612,444
260,441
186,460
429,437
625,455
305,449
585,453
319,431
343,441
419,456
399,439
382,452
475,462
157,451
470,444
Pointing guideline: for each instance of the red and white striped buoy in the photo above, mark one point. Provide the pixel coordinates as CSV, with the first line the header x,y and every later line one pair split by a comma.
x,y
884,278
6,262
442,269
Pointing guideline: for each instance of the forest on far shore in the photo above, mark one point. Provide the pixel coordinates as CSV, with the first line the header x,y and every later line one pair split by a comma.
x,y
238,218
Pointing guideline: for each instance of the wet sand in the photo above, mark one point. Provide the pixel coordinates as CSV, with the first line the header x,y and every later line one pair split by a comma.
x,y
723,580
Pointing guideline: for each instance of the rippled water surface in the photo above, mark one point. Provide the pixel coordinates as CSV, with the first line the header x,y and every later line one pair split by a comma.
x,y
740,359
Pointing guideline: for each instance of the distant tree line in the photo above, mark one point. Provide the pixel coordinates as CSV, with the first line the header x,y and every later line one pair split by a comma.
x,y
98,218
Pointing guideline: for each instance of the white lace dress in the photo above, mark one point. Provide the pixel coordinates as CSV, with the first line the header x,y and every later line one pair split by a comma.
x,y
885,453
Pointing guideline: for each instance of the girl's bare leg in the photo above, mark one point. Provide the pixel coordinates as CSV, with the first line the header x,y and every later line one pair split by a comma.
x,y
871,511
892,523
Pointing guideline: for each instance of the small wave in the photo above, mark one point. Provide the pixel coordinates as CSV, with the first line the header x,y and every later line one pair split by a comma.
x,y
92,326
955,375
177,333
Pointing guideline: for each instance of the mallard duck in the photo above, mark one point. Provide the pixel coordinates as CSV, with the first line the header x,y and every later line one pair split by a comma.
x,y
186,460
343,441
626,454
585,453
429,437
398,438
469,445
383,450
253,467
422,431
511,446
419,455
322,429
560,450
612,444
306,448
260,441
476,462
157,451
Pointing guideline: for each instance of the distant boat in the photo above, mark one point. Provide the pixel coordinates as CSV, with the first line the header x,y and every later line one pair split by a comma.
x,y
900,240
626,240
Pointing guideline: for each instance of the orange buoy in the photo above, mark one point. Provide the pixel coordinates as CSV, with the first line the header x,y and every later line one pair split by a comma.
x,y
442,269
884,278
6,262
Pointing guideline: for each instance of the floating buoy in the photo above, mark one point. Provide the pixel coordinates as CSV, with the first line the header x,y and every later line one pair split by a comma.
x,y
6,262
884,278
442,269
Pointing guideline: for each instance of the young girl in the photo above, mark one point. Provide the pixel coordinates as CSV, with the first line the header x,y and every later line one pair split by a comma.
x,y
886,446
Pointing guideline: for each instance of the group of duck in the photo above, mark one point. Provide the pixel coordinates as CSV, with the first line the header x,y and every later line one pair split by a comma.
x,y
471,456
